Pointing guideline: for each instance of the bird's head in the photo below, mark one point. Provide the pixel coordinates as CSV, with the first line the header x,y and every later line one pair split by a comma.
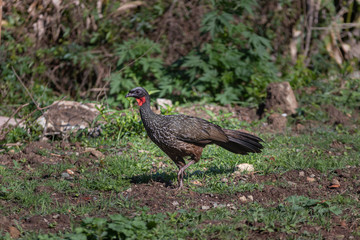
x,y
139,93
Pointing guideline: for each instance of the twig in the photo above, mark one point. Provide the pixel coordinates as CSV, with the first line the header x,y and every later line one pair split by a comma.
x,y
27,90
310,22
12,115
341,26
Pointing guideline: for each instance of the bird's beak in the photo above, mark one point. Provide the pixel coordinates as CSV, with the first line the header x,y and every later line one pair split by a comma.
x,y
129,95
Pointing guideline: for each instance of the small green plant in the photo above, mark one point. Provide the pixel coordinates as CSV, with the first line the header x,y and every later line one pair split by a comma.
x,y
119,124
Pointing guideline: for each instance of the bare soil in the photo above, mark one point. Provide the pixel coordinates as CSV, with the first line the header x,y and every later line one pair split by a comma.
x,y
160,196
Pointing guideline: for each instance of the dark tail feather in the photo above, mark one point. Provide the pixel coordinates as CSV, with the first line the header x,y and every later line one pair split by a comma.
x,y
241,142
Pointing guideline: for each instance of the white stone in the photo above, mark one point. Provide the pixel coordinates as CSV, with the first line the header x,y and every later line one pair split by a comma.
x,y
245,167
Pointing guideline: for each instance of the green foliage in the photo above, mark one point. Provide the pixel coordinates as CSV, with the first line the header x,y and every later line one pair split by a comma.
x,y
120,124
287,217
135,67
235,66
116,227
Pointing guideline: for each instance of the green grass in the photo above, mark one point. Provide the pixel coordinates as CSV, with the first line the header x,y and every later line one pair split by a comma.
x,y
107,179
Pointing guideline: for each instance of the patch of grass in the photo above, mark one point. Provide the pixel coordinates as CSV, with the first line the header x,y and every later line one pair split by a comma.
x,y
99,187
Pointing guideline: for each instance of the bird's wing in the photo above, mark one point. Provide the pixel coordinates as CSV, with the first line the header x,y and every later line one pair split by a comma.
x,y
196,130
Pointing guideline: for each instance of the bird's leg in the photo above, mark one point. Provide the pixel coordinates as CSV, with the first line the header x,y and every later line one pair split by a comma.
x,y
181,173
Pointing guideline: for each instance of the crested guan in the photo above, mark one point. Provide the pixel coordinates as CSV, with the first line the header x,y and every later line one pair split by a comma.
x,y
180,135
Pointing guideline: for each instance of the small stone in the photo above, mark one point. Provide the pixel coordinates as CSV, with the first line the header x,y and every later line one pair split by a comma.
x,y
250,197
205,207
196,182
231,206
129,190
163,103
292,184
56,216
143,151
243,199
175,203
216,205
65,175
245,167
44,139
335,182
301,174
312,175
95,152
310,179
224,180
236,174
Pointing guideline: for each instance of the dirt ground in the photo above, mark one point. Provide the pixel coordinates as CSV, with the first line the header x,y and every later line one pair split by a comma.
x,y
147,194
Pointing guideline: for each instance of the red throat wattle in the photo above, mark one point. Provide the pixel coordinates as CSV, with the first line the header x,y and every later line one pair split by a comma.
x,y
141,100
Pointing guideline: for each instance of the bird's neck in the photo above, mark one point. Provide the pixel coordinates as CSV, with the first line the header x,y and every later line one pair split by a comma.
x,y
145,111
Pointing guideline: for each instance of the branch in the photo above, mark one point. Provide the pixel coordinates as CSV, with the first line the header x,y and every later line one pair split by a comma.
x,y
27,90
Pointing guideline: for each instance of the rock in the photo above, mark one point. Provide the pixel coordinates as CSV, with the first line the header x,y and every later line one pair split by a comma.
x,y
163,103
301,174
245,167
216,205
243,199
310,179
231,206
66,117
292,184
281,98
224,180
277,122
196,182
251,198
335,181
312,175
66,176
95,152
205,207
14,232
334,184
9,121
56,216
175,203
236,174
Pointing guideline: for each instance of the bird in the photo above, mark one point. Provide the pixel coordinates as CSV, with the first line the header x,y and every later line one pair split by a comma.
x,y
181,136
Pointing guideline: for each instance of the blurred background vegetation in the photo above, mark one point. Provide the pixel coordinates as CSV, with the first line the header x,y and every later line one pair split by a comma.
x,y
220,51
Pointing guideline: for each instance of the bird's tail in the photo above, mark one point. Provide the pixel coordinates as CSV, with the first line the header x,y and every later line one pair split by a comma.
x,y
241,142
